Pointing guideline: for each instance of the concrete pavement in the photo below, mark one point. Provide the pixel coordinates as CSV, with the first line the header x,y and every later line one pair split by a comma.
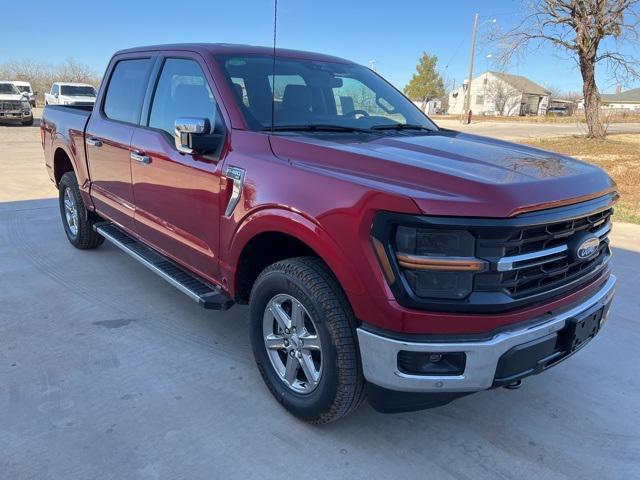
x,y
107,372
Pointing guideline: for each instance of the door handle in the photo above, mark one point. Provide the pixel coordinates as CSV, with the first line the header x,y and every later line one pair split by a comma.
x,y
141,159
94,142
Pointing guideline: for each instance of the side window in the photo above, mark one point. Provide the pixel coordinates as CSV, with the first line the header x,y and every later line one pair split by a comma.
x,y
182,91
126,89
240,89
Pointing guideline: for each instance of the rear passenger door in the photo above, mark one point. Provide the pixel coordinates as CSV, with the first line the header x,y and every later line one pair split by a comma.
x,y
108,138
177,194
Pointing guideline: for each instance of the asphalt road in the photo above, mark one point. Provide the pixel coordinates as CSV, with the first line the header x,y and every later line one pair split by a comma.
x,y
523,130
107,372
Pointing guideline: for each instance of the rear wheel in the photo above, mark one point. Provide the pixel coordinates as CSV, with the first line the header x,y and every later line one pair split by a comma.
x,y
304,340
76,219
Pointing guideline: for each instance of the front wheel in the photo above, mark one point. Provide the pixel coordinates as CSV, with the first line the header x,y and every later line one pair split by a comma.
x,y
76,219
28,123
304,340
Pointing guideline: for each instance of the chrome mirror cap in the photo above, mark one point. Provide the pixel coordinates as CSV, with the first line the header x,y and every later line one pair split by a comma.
x,y
187,126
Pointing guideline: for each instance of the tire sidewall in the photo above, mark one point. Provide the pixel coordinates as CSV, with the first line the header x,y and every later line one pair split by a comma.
x,y
306,406
67,184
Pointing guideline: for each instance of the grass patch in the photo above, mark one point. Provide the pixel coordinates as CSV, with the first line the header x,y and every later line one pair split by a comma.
x,y
618,155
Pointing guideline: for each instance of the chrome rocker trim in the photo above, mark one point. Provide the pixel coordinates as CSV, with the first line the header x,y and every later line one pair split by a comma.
x,y
380,354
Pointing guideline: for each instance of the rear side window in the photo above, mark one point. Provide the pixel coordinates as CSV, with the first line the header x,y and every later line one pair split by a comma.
x,y
126,90
182,91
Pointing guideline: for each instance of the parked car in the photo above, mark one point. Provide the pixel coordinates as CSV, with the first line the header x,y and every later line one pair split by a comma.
x,y
380,255
62,93
25,89
558,111
14,106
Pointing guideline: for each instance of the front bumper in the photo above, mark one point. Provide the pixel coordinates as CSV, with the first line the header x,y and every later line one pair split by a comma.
x,y
16,115
483,358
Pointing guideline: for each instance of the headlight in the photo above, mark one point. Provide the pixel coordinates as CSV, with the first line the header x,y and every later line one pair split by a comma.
x,y
26,105
434,263
437,263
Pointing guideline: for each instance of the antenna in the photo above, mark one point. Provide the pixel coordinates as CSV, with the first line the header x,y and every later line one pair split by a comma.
x,y
273,86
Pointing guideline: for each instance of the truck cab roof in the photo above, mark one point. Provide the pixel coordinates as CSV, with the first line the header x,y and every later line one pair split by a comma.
x,y
235,49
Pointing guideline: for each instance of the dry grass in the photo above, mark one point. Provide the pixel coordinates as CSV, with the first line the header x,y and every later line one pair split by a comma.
x,y
635,118
618,155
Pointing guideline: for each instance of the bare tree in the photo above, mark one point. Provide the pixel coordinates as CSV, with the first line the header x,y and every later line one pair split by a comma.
x,y
591,31
502,95
41,75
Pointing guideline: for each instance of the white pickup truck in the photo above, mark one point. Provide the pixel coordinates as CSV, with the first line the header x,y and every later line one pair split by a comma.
x,y
63,93
14,106
25,89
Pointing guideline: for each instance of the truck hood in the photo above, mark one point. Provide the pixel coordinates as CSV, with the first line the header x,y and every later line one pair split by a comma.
x,y
448,172
76,98
10,96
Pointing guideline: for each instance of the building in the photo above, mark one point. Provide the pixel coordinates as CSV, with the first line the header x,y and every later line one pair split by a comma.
x,y
622,101
432,107
497,93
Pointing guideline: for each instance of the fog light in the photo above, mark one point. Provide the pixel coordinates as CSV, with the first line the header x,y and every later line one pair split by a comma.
x,y
431,363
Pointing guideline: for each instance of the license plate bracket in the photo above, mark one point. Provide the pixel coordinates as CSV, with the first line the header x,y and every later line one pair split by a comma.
x,y
582,328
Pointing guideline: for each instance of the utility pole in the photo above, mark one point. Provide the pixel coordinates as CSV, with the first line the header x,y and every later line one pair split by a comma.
x,y
467,96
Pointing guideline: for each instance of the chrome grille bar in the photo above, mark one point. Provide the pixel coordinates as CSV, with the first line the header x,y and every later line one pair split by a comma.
x,y
506,264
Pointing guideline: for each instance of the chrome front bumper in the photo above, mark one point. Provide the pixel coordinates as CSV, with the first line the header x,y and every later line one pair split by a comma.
x,y
380,354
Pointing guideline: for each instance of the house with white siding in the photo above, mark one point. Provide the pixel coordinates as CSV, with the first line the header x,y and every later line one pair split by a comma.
x,y
498,93
628,101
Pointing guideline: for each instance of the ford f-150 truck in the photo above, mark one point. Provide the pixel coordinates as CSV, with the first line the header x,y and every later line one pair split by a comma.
x,y
380,255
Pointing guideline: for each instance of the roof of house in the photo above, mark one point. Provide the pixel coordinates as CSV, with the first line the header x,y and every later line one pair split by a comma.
x,y
630,96
521,83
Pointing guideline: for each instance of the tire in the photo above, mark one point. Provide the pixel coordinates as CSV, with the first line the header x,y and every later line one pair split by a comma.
x,y
28,123
340,387
79,229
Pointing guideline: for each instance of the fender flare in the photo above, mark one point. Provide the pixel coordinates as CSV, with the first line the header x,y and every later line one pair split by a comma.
x,y
302,228
60,143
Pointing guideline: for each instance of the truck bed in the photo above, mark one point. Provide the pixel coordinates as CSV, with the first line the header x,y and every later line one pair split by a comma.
x,y
63,128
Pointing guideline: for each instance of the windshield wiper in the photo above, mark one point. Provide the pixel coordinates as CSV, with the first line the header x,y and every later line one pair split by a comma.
x,y
316,128
402,126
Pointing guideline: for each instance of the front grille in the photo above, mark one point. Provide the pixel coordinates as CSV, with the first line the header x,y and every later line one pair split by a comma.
x,y
10,105
533,260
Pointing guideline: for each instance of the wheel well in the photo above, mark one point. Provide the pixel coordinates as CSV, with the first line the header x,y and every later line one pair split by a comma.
x,y
261,251
61,164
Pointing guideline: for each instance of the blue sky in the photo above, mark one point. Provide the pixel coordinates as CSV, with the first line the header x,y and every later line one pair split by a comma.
x,y
394,33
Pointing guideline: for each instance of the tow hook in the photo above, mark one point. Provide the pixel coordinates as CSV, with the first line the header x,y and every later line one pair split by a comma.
x,y
514,386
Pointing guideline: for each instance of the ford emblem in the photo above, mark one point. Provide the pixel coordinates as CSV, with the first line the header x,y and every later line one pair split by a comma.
x,y
588,248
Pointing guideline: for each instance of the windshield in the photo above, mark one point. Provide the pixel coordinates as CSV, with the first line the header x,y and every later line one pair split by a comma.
x,y
77,91
22,88
312,93
9,88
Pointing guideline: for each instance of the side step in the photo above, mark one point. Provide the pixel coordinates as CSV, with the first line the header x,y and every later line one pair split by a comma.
x,y
207,295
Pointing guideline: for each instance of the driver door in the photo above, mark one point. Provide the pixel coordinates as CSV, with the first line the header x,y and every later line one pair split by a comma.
x,y
177,194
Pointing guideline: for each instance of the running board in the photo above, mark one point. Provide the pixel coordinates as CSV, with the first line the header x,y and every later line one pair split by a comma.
x,y
207,295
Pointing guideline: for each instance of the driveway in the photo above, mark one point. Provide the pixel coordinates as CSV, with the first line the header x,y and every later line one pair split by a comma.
x,y
522,130
107,372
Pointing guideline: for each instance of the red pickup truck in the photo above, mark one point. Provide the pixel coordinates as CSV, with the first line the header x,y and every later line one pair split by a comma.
x,y
380,255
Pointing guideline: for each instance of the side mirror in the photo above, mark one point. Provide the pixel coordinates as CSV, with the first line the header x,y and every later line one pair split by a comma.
x,y
192,136
56,95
